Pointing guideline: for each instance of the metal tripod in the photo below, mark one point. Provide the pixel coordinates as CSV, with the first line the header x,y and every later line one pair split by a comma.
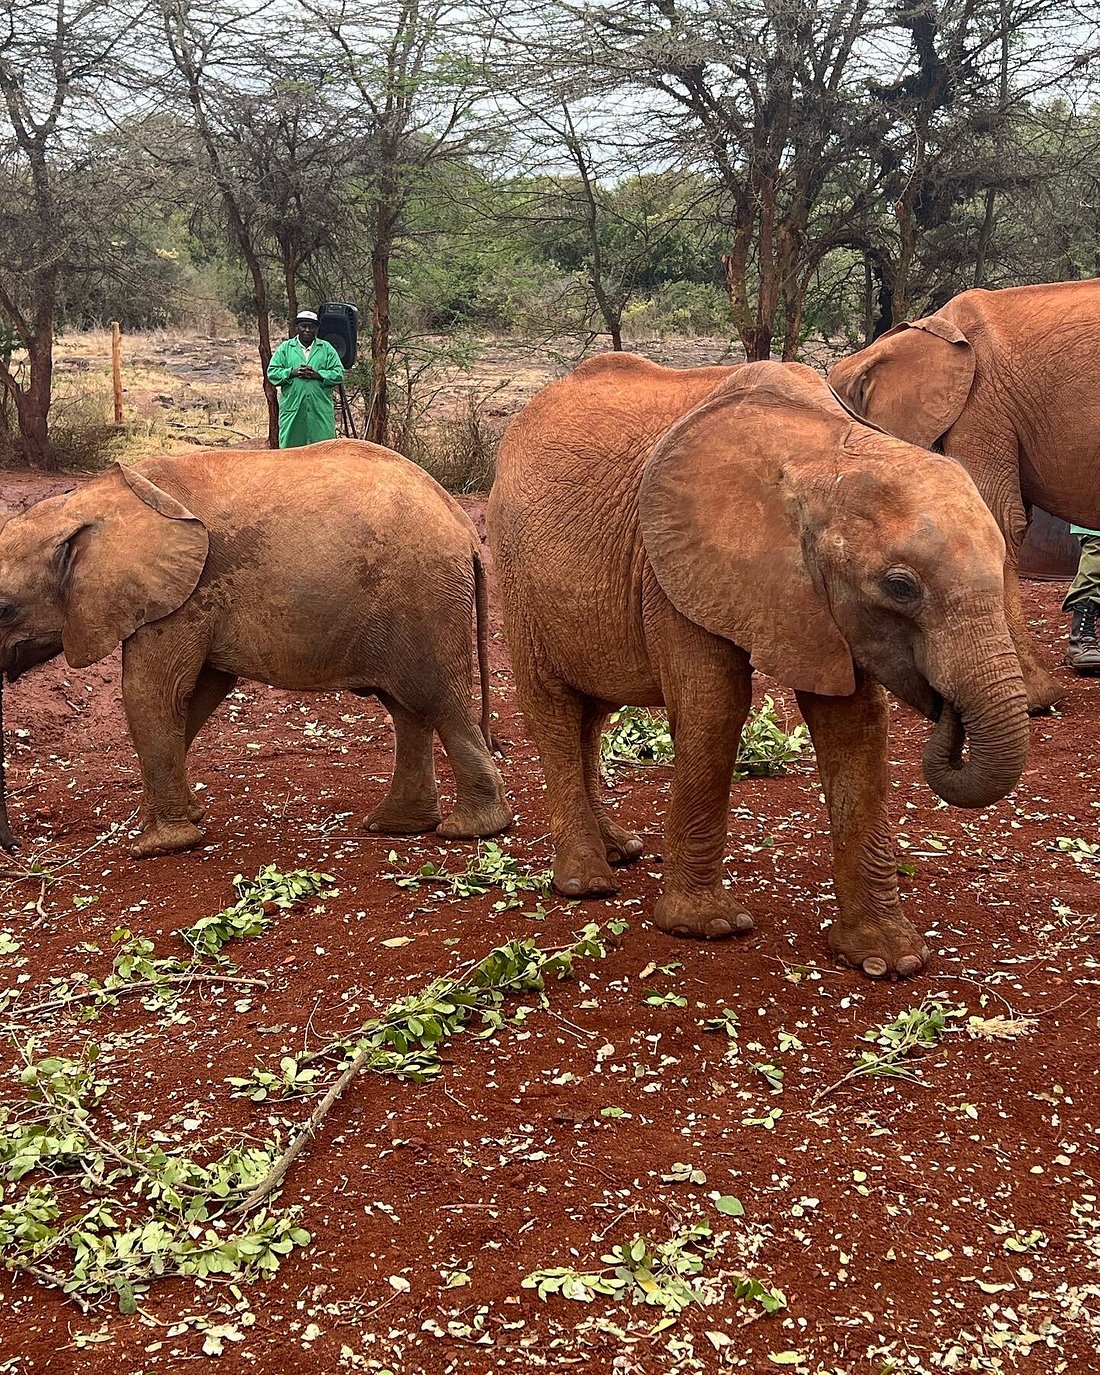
x,y
345,411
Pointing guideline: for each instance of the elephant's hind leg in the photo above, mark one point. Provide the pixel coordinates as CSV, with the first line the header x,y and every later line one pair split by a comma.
x,y
481,808
850,738
621,846
412,803
158,677
555,718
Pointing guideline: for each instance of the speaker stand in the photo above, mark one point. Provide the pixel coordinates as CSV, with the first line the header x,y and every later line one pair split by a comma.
x,y
345,411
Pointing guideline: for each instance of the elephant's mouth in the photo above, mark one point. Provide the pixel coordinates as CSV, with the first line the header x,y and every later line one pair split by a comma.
x,y
27,654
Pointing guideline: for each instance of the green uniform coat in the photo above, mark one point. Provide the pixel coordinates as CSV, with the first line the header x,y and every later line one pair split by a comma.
x,y
305,405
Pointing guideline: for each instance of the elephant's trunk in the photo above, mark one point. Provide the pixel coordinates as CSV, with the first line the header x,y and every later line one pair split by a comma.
x,y
992,721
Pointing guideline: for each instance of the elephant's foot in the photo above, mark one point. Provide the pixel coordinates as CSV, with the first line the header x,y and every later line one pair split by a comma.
x,y
147,817
883,948
622,846
1043,691
707,914
394,817
166,838
582,871
474,823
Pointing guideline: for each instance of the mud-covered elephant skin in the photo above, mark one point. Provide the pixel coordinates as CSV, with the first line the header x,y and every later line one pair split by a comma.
x,y
1007,383
343,567
659,533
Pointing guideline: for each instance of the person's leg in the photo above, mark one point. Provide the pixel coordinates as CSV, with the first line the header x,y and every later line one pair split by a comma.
x,y
1083,601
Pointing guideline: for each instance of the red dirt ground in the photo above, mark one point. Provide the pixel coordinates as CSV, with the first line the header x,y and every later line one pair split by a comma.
x,y
882,1213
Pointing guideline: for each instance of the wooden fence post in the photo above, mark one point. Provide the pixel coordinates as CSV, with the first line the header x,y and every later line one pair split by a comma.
x,y
116,368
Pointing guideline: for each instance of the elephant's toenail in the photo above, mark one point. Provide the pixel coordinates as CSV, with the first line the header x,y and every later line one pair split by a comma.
x,y
909,965
718,928
571,886
874,967
633,848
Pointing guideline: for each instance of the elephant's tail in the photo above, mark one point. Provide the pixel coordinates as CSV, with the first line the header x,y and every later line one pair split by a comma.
x,y
481,612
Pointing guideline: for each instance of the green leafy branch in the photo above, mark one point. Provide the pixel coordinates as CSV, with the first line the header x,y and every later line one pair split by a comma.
x,y
658,1274
491,867
405,1040
101,1248
259,900
137,970
921,1028
639,737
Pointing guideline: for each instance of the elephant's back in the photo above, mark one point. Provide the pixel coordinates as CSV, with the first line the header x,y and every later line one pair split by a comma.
x,y
343,490
563,521
582,441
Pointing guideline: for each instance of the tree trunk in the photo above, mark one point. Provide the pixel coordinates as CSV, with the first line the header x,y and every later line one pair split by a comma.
x,y
907,247
291,286
32,402
378,419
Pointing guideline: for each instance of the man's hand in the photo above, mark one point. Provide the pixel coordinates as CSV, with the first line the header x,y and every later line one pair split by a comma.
x,y
310,374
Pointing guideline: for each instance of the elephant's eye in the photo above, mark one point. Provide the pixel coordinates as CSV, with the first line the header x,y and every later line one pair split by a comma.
x,y
8,612
902,586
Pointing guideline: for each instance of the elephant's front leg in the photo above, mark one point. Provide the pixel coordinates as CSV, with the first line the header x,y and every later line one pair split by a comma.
x,y
156,702
707,707
850,738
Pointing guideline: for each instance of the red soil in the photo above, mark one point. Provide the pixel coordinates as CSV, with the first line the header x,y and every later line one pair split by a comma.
x,y
882,1214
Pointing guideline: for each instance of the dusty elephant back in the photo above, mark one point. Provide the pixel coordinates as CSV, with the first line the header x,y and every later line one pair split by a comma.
x,y
344,484
563,515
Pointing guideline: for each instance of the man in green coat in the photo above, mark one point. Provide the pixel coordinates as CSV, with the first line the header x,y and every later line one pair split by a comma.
x,y
307,370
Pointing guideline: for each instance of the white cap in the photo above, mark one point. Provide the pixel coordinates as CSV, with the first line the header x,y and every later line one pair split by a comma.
x,y
306,315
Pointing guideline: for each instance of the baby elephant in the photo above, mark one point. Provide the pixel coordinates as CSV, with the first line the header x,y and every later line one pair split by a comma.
x,y
342,566
657,534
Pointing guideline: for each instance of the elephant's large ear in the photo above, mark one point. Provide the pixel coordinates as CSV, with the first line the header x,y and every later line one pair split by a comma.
x,y
135,556
722,504
913,381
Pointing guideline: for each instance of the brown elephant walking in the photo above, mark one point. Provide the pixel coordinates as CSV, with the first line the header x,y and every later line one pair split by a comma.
x,y
658,533
346,567
1007,382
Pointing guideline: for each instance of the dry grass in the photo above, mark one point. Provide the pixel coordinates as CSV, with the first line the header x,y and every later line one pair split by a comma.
x,y
179,391
458,449
182,389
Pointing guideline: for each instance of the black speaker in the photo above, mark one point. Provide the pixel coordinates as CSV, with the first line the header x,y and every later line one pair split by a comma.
x,y
338,325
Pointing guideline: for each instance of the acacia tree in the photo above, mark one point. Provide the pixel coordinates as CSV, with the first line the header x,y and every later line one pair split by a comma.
x,y
762,96
411,64
60,64
958,135
210,47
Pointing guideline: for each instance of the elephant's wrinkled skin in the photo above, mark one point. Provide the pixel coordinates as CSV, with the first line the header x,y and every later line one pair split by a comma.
x,y
656,530
344,566
1007,383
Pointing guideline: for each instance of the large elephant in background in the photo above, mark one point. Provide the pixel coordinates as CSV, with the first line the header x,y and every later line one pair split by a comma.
x,y
1008,383
658,533
343,566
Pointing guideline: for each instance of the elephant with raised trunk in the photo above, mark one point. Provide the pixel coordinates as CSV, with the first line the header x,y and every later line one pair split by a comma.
x,y
659,533
344,567
1007,383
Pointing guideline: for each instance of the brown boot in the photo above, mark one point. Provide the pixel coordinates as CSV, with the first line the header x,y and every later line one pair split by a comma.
x,y
1083,654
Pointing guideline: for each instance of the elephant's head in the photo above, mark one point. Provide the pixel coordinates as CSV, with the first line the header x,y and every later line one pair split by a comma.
x,y
912,382
819,545
82,571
